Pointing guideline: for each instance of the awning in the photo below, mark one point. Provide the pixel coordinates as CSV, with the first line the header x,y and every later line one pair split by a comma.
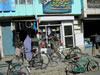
x,y
55,18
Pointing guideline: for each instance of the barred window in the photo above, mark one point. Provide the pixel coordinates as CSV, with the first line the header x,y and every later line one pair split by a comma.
x,y
93,3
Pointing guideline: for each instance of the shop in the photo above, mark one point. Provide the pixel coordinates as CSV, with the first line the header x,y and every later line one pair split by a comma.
x,y
10,30
91,32
60,26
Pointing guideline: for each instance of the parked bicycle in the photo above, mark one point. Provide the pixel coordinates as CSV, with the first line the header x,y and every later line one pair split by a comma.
x,y
39,60
16,69
80,65
72,52
63,54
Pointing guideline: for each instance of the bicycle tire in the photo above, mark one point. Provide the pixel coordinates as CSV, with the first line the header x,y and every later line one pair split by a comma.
x,y
93,65
10,72
28,25
40,61
18,70
45,61
77,68
76,52
65,52
56,57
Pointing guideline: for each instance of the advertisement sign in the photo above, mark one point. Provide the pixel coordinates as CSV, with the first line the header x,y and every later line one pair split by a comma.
x,y
57,6
7,5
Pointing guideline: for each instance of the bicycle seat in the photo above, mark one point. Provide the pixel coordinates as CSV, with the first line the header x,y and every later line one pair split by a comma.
x,y
76,58
9,61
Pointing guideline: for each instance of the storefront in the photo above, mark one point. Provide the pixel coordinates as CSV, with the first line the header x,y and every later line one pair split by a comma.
x,y
60,26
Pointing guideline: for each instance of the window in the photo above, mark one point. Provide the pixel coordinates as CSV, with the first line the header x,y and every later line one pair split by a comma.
x,y
21,1
93,3
68,30
29,1
69,42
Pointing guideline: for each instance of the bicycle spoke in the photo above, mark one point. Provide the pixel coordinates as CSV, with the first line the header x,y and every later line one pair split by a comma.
x,y
93,65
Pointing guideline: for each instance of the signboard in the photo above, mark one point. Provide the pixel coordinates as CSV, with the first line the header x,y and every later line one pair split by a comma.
x,y
57,6
7,5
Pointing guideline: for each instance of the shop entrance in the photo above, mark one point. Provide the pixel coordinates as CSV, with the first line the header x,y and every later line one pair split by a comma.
x,y
46,30
62,31
91,27
91,33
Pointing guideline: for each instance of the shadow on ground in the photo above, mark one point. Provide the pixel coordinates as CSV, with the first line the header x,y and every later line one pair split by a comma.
x,y
97,56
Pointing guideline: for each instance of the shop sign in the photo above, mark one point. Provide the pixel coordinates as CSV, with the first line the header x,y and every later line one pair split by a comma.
x,y
7,5
57,6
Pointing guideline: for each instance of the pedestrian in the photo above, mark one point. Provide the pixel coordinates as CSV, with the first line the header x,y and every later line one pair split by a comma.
x,y
18,45
53,43
94,43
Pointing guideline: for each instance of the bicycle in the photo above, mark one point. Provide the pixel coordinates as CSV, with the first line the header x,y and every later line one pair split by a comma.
x,y
64,54
39,60
68,53
21,58
75,52
16,69
80,65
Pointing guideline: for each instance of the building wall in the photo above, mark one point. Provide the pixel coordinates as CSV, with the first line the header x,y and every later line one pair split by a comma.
x,y
76,7
25,10
29,10
37,8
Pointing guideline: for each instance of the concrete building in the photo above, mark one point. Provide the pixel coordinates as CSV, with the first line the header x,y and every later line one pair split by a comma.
x,y
90,18
62,18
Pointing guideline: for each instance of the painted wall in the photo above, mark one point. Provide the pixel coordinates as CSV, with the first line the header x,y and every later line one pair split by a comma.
x,y
25,10
7,39
37,8
76,7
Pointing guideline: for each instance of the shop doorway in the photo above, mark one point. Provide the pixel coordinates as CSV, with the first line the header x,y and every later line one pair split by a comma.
x,y
46,30
91,27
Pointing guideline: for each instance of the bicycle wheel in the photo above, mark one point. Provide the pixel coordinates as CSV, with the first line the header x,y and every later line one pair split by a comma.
x,y
22,70
65,52
56,57
11,72
77,68
77,51
93,65
39,61
45,60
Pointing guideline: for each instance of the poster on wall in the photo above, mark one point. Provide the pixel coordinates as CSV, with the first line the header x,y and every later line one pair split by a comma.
x,y
57,6
7,5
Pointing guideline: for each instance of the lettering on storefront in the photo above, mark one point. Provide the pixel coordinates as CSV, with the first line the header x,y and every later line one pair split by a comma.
x,y
57,6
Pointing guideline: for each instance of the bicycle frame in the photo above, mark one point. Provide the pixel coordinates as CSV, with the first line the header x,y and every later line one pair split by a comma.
x,y
81,65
